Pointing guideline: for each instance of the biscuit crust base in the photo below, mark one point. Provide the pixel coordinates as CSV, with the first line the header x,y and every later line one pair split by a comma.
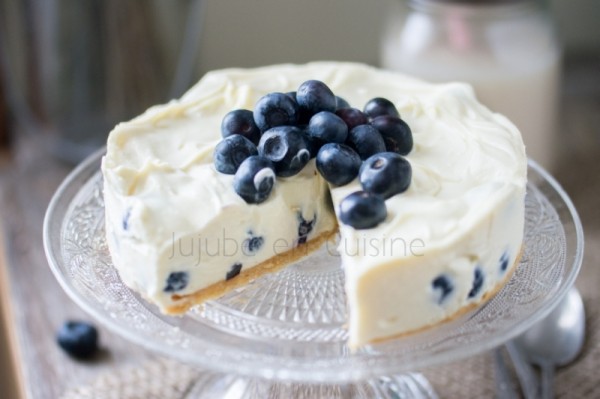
x,y
185,302
276,263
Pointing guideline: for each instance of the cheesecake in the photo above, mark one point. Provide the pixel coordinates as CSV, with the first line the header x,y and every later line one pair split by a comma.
x,y
180,231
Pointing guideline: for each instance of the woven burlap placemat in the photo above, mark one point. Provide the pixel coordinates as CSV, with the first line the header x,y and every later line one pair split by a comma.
x,y
471,378
155,379
474,377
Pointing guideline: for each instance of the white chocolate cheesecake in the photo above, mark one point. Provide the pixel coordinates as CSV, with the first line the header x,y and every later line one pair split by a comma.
x,y
178,233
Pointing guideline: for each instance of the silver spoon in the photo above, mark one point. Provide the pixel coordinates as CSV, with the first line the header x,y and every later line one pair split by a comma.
x,y
556,340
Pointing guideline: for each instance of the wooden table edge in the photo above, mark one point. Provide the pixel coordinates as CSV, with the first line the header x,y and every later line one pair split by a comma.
x,y
6,312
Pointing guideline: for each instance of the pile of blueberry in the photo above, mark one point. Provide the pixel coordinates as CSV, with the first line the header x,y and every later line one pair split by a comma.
x,y
286,130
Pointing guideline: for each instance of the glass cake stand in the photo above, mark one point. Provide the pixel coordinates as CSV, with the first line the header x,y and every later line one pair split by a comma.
x,y
283,334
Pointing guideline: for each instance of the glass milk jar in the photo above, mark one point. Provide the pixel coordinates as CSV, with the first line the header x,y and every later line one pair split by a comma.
x,y
507,49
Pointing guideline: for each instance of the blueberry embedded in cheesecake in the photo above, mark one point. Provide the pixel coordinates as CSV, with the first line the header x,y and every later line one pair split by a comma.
x,y
200,193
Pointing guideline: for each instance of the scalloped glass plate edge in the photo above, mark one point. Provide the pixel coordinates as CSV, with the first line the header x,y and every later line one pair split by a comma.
x,y
360,368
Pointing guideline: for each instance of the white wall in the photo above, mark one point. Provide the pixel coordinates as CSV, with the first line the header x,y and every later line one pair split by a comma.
x,y
260,32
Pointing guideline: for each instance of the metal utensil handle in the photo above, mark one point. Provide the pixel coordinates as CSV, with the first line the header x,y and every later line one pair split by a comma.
x,y
504,387
527,378
547,381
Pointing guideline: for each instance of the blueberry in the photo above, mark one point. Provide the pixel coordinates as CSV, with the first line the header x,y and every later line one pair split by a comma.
x,y
236,268
352,117
504,262
303,114
443,287
125,221
385,174
362,210
286,146
380,106
366,141
240,121
338,163
396,134
177,281
327,127
79,339
341,103
253,244
275,109
314,96
313,144
305,227
231,152
254,179
477,283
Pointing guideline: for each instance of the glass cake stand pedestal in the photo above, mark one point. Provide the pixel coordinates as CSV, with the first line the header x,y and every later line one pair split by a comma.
x,y
283,334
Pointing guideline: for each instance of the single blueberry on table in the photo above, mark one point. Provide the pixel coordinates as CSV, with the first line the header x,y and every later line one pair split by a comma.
x,y
287,148
341,103
327,127
443,287
177,281
338,163
396,134
366,141
275,109
231,152
352,117
315,96
236,268
79,339
385,174
477,283
240,121
362,210
504,259
253,244
254,179
304,227
380,106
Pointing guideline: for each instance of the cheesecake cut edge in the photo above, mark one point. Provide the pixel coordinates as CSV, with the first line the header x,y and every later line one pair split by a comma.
x,y
485,298
271,265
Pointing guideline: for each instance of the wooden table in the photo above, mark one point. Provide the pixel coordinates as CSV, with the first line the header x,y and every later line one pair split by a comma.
x,y
35,306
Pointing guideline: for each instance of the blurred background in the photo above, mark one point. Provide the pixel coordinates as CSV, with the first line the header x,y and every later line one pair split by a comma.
x,y
71,69
74,68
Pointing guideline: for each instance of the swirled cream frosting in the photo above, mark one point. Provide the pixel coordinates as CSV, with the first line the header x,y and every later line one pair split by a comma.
x,y
178,233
